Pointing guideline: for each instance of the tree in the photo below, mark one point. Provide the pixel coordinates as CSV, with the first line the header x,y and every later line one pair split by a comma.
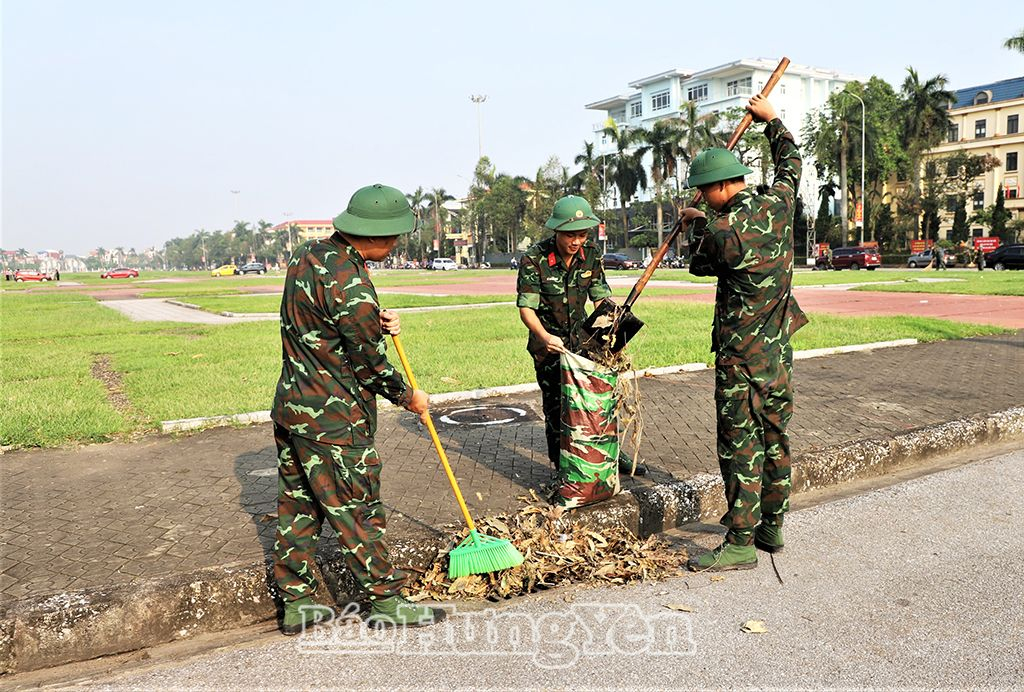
x,y
925,122
1016,42
662,140
1000,217
435,207
627,170
960,230
589,181
696,133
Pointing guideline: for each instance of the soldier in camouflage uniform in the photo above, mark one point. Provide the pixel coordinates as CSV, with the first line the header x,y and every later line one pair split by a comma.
x,y
325,411
556,278
749,246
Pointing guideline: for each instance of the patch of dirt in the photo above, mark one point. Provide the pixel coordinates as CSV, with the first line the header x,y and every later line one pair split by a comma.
x,y
111,379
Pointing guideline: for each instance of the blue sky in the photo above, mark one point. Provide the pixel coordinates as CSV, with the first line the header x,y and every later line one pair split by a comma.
x,y
129,123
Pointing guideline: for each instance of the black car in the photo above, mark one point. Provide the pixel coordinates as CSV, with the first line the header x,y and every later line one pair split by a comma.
x,y
1006,257
253,268
616,261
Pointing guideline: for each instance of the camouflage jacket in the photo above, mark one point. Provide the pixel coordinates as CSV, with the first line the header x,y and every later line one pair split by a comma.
x,y
558,293
749,247
333,361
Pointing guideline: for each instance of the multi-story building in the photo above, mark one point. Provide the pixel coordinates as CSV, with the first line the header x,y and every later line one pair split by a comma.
x,y
308,229
801,89
986,120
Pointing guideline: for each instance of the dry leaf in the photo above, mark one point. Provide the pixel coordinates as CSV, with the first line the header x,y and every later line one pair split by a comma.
x,y
754,627
480,497
173,353
681,607
717,577
197,355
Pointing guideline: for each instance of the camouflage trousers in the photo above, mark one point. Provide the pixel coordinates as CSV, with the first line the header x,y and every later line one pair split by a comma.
x,y
342,484
754,400
549,377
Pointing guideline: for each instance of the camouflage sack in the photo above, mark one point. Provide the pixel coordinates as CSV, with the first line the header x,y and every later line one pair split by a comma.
x,y
590,433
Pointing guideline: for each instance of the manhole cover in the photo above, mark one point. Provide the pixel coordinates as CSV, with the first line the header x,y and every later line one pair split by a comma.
x,y
263,473
485,415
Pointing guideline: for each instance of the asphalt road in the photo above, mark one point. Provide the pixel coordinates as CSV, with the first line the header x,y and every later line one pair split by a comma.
x,y
914,585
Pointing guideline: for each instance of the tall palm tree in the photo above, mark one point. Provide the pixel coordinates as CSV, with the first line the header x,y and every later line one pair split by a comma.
x,y
627,169
1016,42
416,199
663,142
696,133
435,204
925,120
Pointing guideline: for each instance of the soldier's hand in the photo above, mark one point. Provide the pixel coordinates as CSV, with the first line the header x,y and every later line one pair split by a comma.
x,y
554,344
691,213
762,110
419,404
389,322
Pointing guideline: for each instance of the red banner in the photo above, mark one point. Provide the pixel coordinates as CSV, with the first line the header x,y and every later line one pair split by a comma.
x,y
986,244
601,235
917,246
820,249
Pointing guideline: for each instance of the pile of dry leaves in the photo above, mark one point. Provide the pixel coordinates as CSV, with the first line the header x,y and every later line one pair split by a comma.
x,y
556,553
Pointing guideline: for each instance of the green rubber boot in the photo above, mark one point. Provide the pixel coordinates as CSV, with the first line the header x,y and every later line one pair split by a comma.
x,y
398,612
727,556
303,613
768,537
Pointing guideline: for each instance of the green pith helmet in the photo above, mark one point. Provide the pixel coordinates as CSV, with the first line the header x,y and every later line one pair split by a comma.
x,y
713,165
572,213
377,210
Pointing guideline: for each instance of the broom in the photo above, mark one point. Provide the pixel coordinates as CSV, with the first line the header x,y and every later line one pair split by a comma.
x,y
477,554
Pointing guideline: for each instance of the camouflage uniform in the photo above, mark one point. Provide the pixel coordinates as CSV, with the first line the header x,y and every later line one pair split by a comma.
x,y
325,415
749,247
559,295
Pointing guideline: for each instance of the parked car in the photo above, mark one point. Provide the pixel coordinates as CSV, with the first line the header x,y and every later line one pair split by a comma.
x,y
857,257
253,268
616,261
31,275
443,264
225,270
1006,257
120,273
923,259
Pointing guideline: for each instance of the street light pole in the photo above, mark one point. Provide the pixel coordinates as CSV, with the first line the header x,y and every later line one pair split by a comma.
x,y
863,155
478,99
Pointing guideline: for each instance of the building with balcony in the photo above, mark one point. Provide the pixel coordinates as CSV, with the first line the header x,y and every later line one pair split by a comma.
x,y
717,89
986,119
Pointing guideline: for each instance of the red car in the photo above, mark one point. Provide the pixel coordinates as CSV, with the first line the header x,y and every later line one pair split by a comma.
x,y
858,257
120,273
31,275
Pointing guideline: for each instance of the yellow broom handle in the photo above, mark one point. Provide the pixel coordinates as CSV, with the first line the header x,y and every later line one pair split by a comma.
x,y
434,437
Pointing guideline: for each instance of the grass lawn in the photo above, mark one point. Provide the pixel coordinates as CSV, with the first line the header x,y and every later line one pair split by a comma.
x,y
50,342
272,302
989,283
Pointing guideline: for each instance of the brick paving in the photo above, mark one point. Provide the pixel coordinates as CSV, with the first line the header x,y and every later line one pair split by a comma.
x,y
104,514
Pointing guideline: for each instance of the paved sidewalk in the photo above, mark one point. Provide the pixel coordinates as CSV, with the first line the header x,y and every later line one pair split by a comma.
x,y
109,514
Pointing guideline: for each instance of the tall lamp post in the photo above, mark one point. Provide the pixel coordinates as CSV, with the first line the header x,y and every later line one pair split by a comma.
x,y
863,155
478,99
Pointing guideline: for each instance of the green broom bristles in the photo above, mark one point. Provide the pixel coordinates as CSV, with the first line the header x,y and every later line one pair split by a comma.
x,y
479,554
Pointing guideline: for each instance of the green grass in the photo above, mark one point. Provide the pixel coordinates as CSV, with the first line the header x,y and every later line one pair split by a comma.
x,y
1007,283
272,303
49,342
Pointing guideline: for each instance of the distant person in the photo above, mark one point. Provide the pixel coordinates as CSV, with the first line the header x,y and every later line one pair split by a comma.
x,y
939,257
56,274
981,258
513,264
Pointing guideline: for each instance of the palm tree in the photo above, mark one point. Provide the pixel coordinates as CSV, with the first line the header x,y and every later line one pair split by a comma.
x,y
435,204
663,142
1016,42
120,255
627,169
925,119
696,133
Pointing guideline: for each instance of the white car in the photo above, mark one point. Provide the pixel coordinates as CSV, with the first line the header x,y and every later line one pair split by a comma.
x,y
443,263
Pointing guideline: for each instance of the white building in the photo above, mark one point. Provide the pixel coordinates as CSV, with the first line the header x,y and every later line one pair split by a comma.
x,y
718,89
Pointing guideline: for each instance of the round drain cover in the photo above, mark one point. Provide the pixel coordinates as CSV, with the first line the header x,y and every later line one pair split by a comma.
x,y
484,415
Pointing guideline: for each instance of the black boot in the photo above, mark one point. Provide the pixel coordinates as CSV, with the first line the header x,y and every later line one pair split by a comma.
x,y
626,466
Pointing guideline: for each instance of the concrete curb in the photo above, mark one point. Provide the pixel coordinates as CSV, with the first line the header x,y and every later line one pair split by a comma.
x,y
187,424
77,625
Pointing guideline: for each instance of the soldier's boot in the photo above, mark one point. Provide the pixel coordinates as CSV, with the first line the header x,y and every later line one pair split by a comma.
x,y
303,613
626,466
398,612
768,535
728,556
